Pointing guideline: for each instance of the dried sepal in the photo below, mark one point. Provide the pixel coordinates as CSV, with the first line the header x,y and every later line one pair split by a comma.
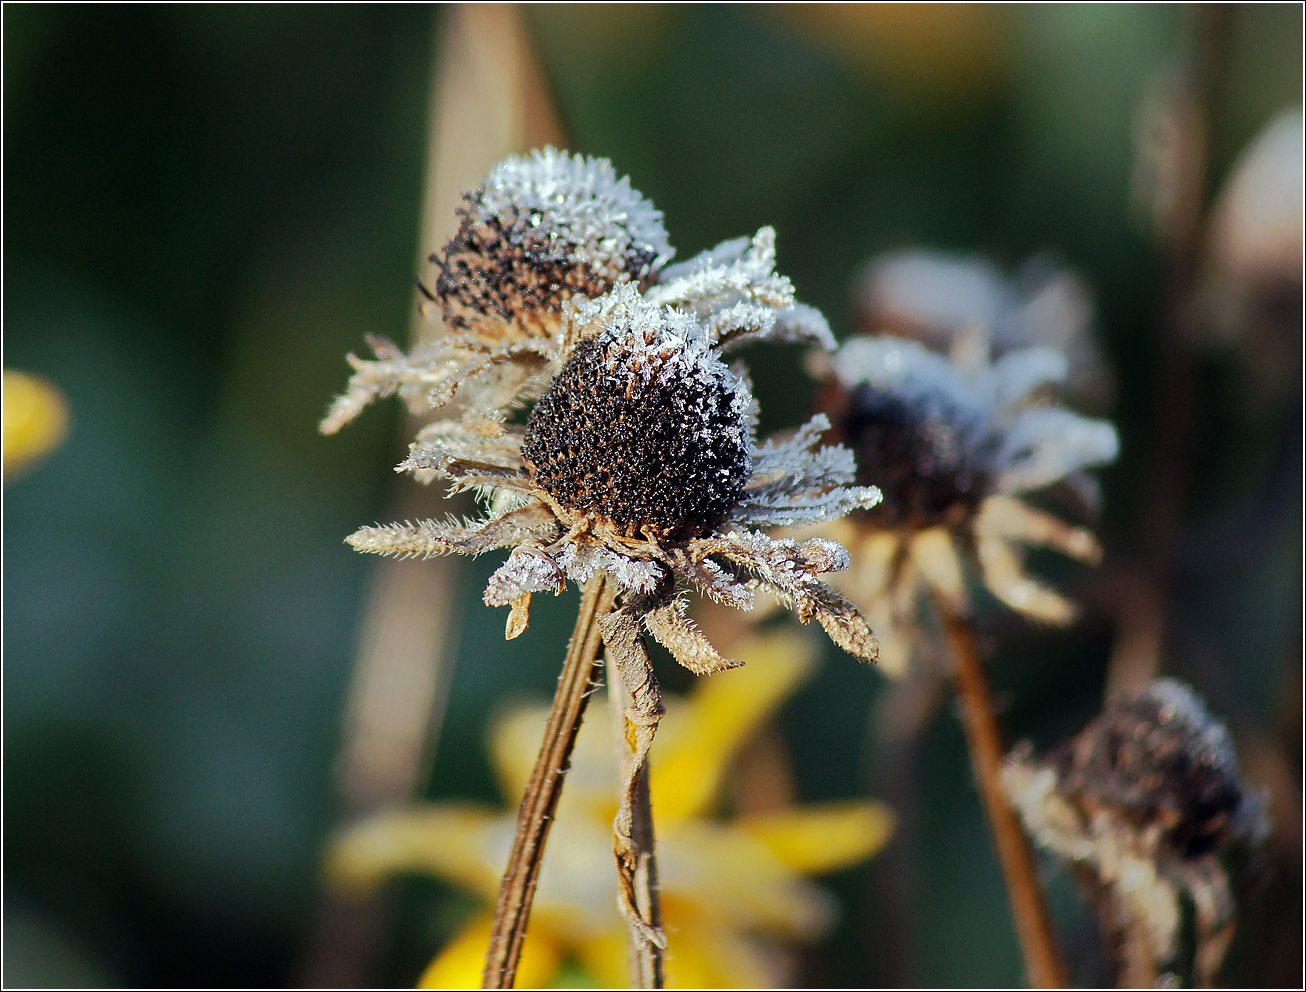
x,y
792,484
491,377
640,717
431,538
687,644
526,571
737,294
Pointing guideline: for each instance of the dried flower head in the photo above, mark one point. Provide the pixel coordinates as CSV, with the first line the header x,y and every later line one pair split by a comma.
x,y
1144,799
639,461
542,228
953,443
543,234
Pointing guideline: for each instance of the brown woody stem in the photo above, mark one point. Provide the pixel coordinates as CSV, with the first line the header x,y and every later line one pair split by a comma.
x,y
1028,909
517,890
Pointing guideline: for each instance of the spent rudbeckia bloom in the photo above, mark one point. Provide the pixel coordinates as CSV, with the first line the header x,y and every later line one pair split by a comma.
x,y
639,461
539,230
542,231
955,444
734,892
635,474
1142,802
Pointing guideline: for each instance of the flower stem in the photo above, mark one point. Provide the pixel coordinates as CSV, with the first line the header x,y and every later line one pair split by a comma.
x,y
1029,911
637,851
517,890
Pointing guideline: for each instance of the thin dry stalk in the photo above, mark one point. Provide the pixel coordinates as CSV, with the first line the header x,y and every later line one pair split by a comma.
x,y
637,855
1028,909
517,890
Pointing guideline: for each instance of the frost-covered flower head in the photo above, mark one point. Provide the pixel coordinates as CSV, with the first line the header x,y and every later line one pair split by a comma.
x,y
639,461
953,444
542,228
1146,796
543,234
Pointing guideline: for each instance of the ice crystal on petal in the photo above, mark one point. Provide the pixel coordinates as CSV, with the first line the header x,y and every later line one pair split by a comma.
x,y
735,290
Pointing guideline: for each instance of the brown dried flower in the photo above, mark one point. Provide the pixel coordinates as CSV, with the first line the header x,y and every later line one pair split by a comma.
x,y
1144,800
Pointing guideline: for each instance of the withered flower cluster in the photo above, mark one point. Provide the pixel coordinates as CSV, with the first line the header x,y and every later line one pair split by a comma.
x,y
637,462
1142,803
638,458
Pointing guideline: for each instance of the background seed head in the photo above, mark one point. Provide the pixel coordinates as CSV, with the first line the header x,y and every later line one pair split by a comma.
x,y
924,462
541,229
1159,759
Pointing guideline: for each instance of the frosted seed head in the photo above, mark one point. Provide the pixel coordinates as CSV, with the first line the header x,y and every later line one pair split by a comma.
x,y
1160,760
923,459
643,428
542,228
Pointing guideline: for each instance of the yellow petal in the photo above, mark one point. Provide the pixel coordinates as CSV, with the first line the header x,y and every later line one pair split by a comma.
x,y
606,956
701,953
697,741
735,880
822,837
514,739
457,842
35,419
591,786
461,963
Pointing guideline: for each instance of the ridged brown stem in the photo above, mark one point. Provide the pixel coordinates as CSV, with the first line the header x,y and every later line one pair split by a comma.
x,y
647,968
517,890
1028,909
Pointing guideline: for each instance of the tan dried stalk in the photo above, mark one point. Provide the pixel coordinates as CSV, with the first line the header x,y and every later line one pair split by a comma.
x,y
517,890
633,844
1028,909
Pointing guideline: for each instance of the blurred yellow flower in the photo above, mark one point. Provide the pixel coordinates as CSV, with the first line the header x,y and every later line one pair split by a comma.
x,y
726,886
35,420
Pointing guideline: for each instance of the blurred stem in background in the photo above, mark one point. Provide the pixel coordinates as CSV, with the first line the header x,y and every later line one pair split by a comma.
x,y
488,100
1172,184
1029,909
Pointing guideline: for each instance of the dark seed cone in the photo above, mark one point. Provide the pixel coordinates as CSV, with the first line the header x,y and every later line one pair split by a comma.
x,y
923,461
657,444
541,229
1159,759
512,272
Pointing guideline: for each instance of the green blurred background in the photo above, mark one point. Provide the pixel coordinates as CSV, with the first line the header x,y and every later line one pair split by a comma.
x,y
207,207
